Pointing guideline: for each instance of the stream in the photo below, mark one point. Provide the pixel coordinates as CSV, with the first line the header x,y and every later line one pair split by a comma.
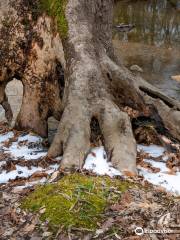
x,y
154,42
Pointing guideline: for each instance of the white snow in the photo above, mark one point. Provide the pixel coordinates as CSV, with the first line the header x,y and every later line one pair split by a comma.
x,y
160,165
5,137
2,163
97,162
30,138
52,168
154,150
17,151
162,178
25,172
19,172
169,182
23,151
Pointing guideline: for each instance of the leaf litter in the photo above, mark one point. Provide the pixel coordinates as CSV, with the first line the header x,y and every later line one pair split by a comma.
x,y
23,165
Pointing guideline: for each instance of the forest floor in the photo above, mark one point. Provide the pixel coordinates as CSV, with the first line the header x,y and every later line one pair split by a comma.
x,y
39,202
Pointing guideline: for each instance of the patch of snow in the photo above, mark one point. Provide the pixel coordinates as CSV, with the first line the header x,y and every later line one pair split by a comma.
x,y
19,172
17,151
52,168
30,138
153,150
30,184
96,162
5,137
23,151
162,178
25,172
2,163
59,158
160,165
169,182
31,150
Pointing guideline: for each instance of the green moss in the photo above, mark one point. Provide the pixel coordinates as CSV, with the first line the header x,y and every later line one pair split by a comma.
x,y
76,200
56,9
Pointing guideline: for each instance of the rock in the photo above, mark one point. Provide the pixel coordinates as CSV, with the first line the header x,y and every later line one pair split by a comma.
x,y
176,78
42,210
124,27
46,234
8,232
6,196
136,68
36,238
29,228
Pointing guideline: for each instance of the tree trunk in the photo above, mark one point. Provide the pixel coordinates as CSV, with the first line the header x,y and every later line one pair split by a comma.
x,y
97,86
31,51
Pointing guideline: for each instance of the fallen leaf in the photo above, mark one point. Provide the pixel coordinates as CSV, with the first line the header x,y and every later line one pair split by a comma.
x,y
129,174
176,78
28,228
42,210
46,234
54,176
92,153
107,224
38,174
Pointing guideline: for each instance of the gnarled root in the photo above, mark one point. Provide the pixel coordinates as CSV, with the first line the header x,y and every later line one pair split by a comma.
x,y
73,136
118,137
88,97
170,116
97,87
167,107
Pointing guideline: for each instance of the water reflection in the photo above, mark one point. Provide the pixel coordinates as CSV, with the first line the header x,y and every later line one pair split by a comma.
x,y
156,21
154,44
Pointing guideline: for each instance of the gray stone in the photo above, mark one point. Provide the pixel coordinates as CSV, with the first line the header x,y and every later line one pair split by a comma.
x,y
136,68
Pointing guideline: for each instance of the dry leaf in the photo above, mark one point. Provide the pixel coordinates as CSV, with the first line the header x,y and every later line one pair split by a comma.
x,y
92,153
176,78
129,174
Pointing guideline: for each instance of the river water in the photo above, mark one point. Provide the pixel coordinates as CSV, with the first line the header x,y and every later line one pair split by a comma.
x,y
154,43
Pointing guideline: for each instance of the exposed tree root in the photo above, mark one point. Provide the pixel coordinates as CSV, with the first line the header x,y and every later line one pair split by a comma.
x,y
167,108
96,86
118,137
88,94
73,137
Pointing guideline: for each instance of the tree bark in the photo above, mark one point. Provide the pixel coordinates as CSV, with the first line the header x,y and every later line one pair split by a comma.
x,y
31,51
96,84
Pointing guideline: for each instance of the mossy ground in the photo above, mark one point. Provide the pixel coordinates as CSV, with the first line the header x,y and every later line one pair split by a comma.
x,y
76,200
56,9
